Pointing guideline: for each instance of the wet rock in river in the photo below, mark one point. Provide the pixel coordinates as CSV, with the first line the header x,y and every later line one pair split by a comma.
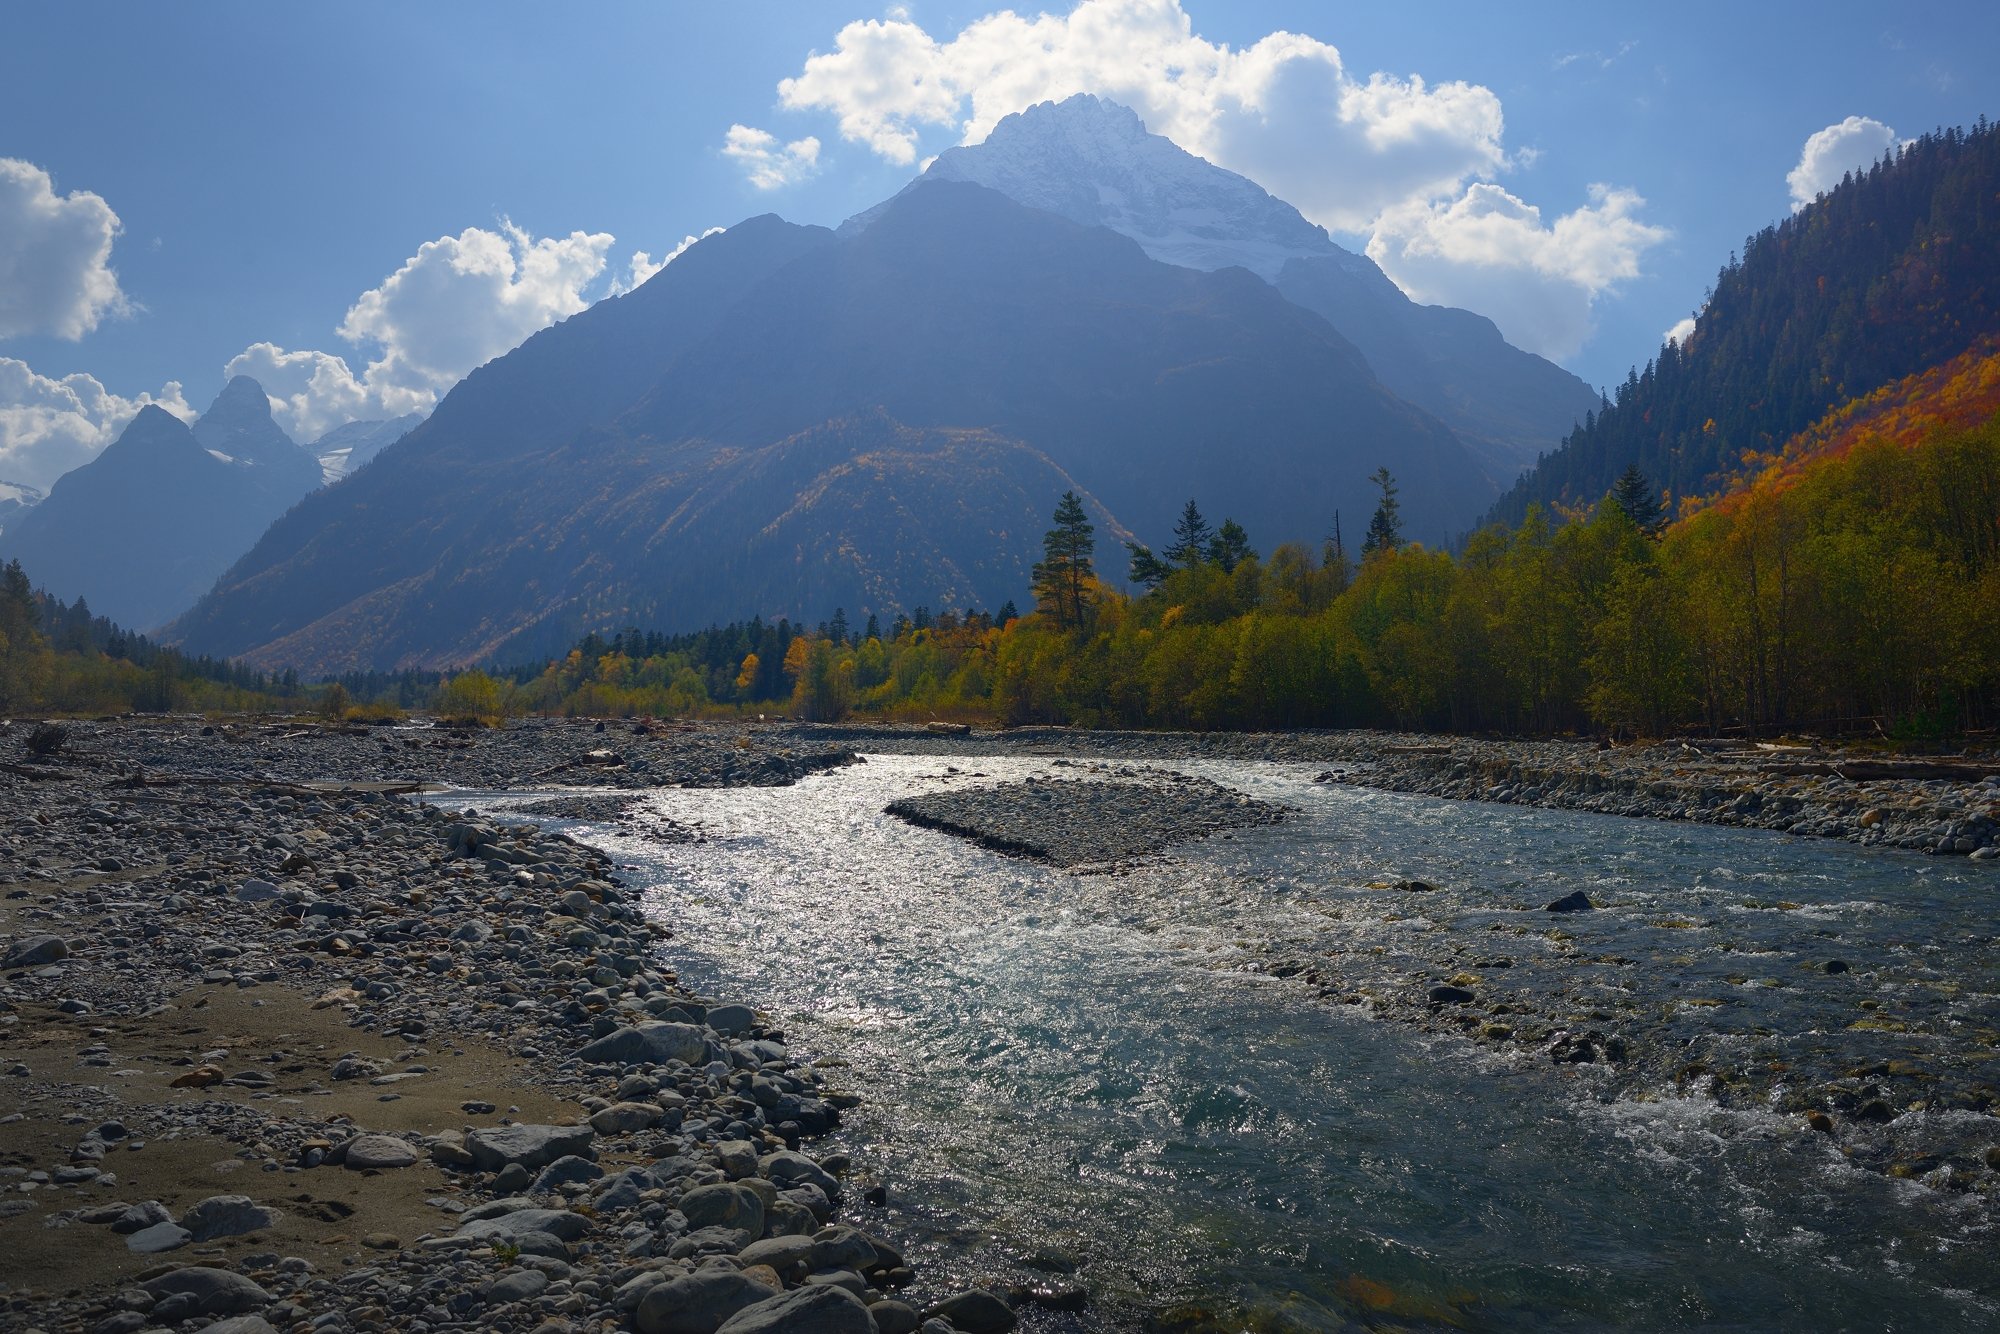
x,y
1578,901
975,1312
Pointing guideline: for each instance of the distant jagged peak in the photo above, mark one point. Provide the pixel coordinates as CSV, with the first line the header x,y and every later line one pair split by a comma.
x,y
241,407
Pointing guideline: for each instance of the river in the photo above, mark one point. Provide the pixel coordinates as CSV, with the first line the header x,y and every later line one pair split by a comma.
x,y
1097,1072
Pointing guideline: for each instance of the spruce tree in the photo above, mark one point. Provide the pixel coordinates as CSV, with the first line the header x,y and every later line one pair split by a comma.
x,y
1191,538
1385,530
1634,495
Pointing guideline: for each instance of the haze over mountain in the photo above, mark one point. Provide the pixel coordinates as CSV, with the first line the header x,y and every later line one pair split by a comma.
x,y
348,448
143,529
1092,161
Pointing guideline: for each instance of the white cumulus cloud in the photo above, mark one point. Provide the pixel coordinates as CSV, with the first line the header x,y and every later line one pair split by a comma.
x,y
55,256
643,267
1854,144
768,163
1683,329
456,304
49,426
1492,252
1284,110
1408,161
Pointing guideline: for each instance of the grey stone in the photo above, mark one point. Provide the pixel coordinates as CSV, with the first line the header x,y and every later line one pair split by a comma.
x,y
214,1291
787,1255
732,1020
256,891
530,1146
566,1171
709,1241
1576,902
239,1324
157,1238
227,1216
842,1248
894,1317
786,1169
558,1223
517,1286
698,1303
34,951
378,1152
142,1215
654,1042
815,1310
621,1117
725,1205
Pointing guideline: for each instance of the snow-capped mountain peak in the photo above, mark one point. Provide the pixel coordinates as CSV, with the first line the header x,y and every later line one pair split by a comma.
x,y
1094,162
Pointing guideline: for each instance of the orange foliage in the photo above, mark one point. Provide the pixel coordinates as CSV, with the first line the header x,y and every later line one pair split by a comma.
x,y
1955,396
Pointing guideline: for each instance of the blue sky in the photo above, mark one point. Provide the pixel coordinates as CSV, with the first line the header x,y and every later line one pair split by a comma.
x,y
271,165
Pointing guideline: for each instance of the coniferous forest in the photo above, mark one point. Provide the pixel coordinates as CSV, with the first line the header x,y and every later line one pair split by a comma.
x,y
1889,274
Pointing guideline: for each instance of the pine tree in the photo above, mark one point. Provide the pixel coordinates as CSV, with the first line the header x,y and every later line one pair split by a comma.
x,y
1230,546
1385,530
1634,495
1191,538
874,630
1007,613
1065,569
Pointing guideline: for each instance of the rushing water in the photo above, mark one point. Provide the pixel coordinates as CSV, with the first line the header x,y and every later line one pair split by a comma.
x,y
1080,1068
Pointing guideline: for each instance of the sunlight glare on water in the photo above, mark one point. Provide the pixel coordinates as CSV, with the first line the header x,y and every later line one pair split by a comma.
x,y
1078,1068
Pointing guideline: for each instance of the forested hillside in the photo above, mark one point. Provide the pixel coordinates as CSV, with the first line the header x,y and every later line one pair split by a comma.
x,y
1892,272
1851,591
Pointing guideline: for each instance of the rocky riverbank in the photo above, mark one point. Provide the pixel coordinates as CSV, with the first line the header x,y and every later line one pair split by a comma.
x,y
287,1050
1948,806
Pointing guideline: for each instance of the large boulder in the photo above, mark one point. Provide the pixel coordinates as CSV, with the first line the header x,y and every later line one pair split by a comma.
x,y
558,1223
530,1146
698,1303
727,1204
786,1169
34,951
816,1310
731,1020
215,1291
654,1043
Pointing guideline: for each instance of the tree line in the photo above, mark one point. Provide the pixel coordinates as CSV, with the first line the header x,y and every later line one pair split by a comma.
x,y
1855,595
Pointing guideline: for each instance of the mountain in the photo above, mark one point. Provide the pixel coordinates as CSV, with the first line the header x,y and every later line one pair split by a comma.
x,y
1093,162
853,513
143,529
555,489
1894,271
348,448
16,497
